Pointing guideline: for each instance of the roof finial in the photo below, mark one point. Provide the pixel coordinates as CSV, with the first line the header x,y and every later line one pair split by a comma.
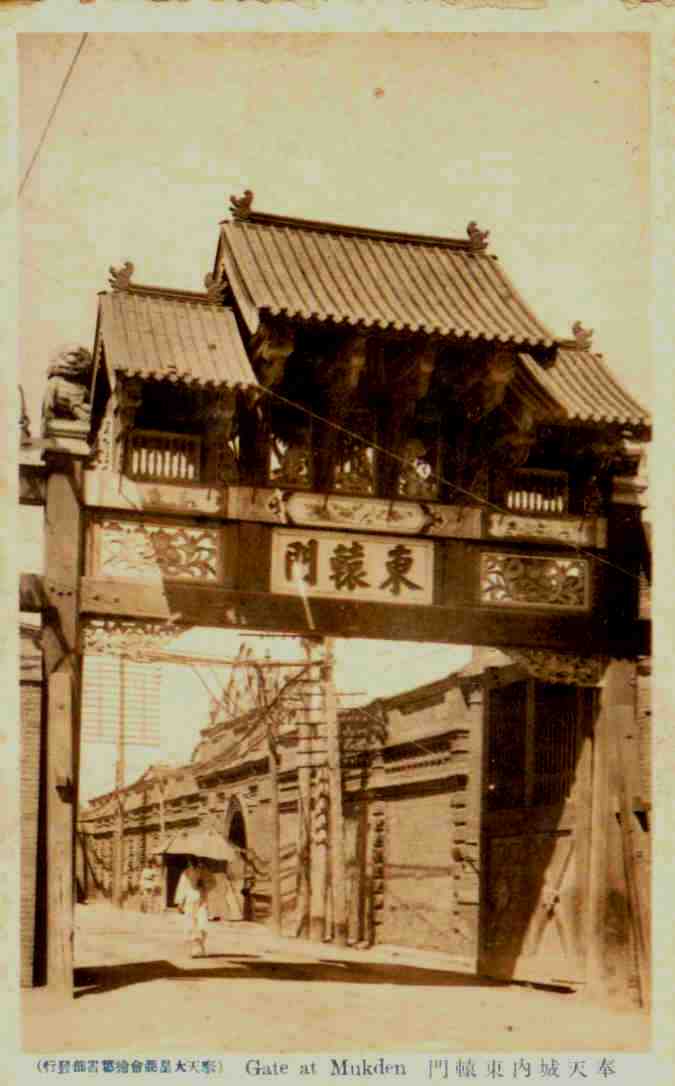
x,y
240,206
583,336
120,278
478,238
214,289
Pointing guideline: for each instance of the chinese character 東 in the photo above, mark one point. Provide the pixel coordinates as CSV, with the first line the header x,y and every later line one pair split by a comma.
x,y
399,564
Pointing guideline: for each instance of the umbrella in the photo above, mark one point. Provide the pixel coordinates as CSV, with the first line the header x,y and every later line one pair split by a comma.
x,y
205,844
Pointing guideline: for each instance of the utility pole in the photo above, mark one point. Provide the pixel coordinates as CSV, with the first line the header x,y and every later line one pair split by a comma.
x,y
161,783
304,759
273,758
119,789
337,853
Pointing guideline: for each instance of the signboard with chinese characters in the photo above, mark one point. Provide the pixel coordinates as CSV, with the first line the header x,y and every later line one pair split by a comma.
x,y
349,566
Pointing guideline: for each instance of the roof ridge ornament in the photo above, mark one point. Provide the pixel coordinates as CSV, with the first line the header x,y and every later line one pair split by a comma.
x,y
241,206
477,238
120,278
583,337
215,290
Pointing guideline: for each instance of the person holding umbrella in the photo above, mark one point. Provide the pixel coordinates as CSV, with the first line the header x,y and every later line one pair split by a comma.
x,y
192,900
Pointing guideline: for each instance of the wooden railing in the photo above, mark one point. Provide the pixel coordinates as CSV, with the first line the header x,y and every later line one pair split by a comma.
x,y
537,492
154,455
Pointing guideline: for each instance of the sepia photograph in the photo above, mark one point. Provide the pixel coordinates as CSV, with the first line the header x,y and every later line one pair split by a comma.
x,y
335,545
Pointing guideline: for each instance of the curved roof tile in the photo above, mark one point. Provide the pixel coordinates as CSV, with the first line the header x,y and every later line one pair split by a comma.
x,y
381,279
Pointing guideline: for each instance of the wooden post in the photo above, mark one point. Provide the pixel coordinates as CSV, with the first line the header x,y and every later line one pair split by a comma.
x,y
59,832
161,785
337,843
62,668
304,753
623,680
319,855
612,905
275,865
118,866
318,824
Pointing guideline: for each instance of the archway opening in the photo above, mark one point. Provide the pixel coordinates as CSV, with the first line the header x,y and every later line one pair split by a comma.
x,y
237,831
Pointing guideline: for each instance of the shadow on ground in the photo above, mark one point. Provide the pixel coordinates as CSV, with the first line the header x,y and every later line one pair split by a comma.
x,y
94,980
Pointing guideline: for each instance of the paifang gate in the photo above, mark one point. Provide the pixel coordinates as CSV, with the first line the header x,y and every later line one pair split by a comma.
x,y
350,433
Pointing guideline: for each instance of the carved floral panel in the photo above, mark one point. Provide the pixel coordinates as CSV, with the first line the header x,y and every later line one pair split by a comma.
x,y
138,550
560,667
517,580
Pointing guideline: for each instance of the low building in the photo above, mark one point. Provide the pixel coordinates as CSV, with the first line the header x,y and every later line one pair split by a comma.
x,y
466,810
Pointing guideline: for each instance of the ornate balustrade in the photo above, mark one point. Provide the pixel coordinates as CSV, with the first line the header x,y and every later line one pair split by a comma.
x,y
157,456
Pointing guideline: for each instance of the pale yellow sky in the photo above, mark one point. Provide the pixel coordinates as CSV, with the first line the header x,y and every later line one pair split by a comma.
x,y
543,139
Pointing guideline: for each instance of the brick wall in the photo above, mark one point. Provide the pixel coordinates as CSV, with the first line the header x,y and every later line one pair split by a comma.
x,y
31,750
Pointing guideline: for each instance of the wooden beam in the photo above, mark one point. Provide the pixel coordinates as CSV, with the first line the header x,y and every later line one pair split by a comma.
x,y
202,605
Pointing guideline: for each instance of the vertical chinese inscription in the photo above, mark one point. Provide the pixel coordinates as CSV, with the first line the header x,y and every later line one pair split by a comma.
x,y
350,566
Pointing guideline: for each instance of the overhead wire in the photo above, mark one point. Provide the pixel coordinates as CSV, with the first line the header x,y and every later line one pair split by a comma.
x,y
487,502
52,113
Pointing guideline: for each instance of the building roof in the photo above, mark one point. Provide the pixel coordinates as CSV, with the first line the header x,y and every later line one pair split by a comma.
x,y
171,336
577,387
372,279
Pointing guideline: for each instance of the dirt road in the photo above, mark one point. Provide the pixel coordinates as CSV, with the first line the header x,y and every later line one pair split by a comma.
x,y
137,990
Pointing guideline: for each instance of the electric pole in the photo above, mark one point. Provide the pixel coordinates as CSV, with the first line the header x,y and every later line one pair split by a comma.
x,y
337,853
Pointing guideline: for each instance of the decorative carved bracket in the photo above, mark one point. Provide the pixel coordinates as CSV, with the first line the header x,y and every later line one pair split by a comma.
x,y
119,637
215,291
129,399
120,278
271,350
477,237
241,206
560,667
583,336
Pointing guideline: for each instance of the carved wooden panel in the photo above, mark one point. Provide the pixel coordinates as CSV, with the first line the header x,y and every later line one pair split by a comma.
x,y
141,550
519,580
577,531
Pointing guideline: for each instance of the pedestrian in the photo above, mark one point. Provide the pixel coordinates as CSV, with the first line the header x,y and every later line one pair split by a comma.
x,y
148,884
192,900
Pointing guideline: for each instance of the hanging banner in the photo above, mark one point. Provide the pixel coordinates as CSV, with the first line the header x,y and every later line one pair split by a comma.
x,y
349,566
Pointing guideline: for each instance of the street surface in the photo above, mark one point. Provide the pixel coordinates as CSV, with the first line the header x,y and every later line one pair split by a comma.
x,y
138,990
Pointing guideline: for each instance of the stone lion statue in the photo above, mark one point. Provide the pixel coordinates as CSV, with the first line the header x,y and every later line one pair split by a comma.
x,y
68,379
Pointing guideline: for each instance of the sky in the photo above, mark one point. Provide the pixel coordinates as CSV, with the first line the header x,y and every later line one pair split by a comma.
x,y
542,139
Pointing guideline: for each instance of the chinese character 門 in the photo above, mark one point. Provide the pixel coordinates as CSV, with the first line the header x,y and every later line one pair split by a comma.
x,y
347,564
305,555
399,564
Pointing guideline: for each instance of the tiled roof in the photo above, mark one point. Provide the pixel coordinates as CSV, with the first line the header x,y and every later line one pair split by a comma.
x,y
372,279
577,387
177,338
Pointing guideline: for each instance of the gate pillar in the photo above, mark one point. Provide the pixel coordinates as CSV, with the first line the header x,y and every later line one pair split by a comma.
x,y
62,662
618,921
